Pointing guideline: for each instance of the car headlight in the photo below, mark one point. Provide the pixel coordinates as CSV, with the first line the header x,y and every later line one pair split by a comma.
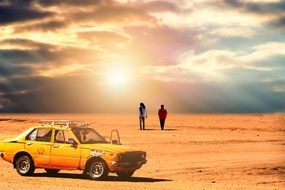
x,y
97,153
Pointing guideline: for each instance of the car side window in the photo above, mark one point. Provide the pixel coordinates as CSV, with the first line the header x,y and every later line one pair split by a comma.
x,y
32,136
62,136
59,136
43,135
67,135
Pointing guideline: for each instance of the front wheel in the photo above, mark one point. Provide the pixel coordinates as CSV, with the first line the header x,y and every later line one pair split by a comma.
x,y
98,170
125,174
25,166
51,171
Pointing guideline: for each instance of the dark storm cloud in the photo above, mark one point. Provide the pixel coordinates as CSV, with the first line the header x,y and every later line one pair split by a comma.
x,y
23,83
73,2
9,70
36,53
278,23
259,8
59,94
14,14
17,56
274,9
21,3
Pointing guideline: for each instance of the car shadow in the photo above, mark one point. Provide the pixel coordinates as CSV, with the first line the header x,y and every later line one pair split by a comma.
x,y
109,178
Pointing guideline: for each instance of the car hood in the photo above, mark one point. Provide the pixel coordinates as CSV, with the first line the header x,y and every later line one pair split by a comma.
x,y
1,147
108,147
20,137
8,140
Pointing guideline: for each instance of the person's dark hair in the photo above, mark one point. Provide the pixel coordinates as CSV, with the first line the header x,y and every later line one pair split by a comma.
x,y
142,105
162,106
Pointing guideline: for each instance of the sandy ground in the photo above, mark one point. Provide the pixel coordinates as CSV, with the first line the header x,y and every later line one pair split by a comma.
x,y
195,152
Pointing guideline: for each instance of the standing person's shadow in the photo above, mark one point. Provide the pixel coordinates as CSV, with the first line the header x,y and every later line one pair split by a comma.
x,y
158,129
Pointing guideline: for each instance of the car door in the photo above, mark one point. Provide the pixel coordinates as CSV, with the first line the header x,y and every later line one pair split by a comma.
x,y
38,144
63,154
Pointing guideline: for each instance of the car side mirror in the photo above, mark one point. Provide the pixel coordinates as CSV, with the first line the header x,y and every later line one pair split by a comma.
x,y
72,142
115,142
115,137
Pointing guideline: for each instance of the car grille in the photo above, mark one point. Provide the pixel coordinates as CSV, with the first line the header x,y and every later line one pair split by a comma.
x,y
132,157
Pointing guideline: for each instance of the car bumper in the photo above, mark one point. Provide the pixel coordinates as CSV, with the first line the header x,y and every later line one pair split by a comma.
x,y
119,166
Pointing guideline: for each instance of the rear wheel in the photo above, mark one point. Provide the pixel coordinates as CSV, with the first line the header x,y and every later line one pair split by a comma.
x,y
24,165
125,174
51,171
98,170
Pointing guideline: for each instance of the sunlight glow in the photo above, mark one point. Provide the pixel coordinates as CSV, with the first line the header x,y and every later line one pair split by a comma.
x,y
116,77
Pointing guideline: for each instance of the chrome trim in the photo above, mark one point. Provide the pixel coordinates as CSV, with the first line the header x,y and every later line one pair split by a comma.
x,y
128,163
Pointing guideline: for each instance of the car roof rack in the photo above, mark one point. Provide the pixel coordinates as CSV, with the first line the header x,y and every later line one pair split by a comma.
x,y
65,123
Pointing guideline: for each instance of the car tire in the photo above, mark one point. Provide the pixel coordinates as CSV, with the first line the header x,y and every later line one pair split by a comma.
x,y
25,166
98,170
125,174
51,171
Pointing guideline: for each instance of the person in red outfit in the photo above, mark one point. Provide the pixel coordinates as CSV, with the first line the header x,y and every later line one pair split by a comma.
x,y
162,114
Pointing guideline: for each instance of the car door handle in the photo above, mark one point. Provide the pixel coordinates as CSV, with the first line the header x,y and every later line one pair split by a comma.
x,y
55,146
29,143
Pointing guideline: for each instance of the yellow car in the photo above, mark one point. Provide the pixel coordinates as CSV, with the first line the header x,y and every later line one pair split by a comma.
x,y
65,145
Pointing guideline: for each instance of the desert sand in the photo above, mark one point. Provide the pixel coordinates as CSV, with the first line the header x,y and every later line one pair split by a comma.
x,y
218,151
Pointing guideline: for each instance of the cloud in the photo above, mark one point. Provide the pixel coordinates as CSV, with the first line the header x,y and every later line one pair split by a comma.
x,y
24,44
48,26
105,39
221,65
9,70
41,59
160,6
265,51
279,88
271,11
230,31
15,56
274,7
201,67
114,14
278,23
5,104
162,44
20,3
14,14
74,2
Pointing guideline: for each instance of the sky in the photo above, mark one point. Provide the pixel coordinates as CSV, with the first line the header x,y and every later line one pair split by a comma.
x,y
107,56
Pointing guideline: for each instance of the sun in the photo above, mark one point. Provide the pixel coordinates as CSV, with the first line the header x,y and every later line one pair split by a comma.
x,y
116,77
119,72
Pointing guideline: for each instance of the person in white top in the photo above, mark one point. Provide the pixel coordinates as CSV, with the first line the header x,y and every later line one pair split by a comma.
x,y
142,116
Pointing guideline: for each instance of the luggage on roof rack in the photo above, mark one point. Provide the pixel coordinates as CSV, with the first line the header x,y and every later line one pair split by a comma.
x,y
66,123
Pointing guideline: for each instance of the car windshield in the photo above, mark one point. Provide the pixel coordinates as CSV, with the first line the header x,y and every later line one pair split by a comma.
x,y
88,136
